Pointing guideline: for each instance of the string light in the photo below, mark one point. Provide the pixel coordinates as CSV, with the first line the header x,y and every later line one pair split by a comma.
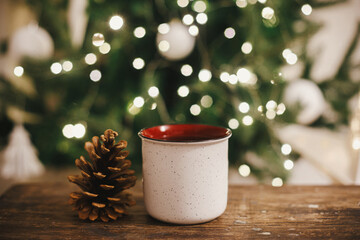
x,y
224,77
105,48
67,66
244,107
246,48
153,92
243,75
206,101
277,182
270,114
262,1
116,22
233,79
68,131
139,32
271,105
288,164
244,170
204,75
286,149
139,102
95,75
138,63
182,3
280,109
201,18
290,57
78,130
193,30
56,68
260,108
229,33
90,59
241,3
195,109
18,71
267,13
164,28
183,91
247,120
153,106
188,19
199,6
186,70
164,46
98,39
233,123
306,9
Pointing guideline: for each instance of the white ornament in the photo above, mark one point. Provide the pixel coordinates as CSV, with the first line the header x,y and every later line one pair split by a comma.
x,y
177,43
310,98
77,21
20,159
31,41
330,45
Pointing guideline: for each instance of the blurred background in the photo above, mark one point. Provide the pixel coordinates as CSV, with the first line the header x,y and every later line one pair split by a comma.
x,y
283,75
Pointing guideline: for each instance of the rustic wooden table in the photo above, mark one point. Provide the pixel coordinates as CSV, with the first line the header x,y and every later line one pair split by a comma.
x,y
40,211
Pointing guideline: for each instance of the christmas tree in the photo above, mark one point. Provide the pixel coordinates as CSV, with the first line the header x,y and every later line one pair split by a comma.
x,y
127,65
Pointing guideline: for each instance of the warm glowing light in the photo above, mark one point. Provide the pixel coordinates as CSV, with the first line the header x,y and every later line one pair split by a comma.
x,y
98,39
138,63
277,182
67,66
139,32
182,3
153,106
199,6
247,120
262,1
206,101
56,68
68,131
201,18
133,110
246,48
356,143
233,79
241,3
267,13
153,92
233,123
244,107
306,9
183,91
188,19
224,77
280,109
291,59
95,75
164,46
243,75
116,22
90,59
270,114
105,48
164,28
286,52
205,75
79,130
260,108
271,105
195,109
244,170
229,33
288,164
286,149
19,71
193,30
139,102
186,70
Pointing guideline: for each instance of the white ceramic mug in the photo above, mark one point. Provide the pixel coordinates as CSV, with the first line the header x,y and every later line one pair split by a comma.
x,y
185,172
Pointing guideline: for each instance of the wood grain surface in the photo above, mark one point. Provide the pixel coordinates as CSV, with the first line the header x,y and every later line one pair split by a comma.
x,y
40,211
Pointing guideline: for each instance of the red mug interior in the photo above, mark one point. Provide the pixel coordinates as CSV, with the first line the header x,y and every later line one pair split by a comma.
x,y
185,133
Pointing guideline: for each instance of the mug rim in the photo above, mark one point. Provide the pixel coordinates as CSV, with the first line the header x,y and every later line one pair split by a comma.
x,y
225,135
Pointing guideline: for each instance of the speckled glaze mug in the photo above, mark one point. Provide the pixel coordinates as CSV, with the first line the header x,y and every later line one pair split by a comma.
x,y
185,172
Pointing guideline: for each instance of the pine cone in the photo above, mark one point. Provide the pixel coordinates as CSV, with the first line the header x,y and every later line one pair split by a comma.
x,y
104,180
